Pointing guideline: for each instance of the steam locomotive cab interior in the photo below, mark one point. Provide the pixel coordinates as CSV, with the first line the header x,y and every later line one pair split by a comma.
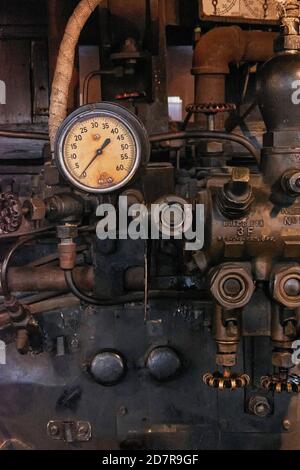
x,y
187,338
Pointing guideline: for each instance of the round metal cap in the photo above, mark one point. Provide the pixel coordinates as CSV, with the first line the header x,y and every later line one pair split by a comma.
x,y
163,363
108,368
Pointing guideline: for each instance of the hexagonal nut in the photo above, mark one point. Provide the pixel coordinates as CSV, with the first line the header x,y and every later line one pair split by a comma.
x,y
226,360
280,277
51,175
36,208
214,147
287,42
65,232
282,359
259,406
239,275
240,174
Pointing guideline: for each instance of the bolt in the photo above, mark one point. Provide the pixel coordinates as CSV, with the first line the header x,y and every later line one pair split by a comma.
x,y
286,424
74,343
83,430
295,183
231,329
290,329
232,287
291,182
292,287
123,411
54,430
262,409
259,406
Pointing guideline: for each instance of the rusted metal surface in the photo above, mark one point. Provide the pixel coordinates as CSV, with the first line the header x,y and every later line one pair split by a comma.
x,y
47,278
217,49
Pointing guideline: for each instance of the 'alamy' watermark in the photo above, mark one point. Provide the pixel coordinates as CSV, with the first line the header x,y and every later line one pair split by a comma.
x,y
296,94
2,353
296,353
2,92
166,220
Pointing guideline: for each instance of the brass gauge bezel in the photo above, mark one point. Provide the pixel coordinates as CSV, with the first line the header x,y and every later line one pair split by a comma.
x,y
110,110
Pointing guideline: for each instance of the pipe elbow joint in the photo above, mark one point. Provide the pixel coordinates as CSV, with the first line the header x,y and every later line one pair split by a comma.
x,y
216,49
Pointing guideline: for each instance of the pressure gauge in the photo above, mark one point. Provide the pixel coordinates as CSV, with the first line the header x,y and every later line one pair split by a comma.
x,y
100,147
239,10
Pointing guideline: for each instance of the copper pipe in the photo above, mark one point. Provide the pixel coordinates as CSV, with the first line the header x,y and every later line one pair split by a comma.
x,y
239,139
24,135
217,49
47,278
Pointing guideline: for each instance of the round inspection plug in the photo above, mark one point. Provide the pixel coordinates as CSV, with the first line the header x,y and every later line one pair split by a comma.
x,y
232,287
292,287
108,367
286,286
163,363
172,216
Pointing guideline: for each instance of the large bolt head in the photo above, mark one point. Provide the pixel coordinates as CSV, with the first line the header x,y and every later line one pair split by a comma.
x,y
108,367
291,182
232,286
286,286
259,406
163,363
36,208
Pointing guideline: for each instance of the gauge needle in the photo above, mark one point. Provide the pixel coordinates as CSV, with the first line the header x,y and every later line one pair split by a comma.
x,y
98,153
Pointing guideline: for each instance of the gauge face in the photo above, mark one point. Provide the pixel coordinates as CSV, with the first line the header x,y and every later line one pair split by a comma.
x,y
99,147
262,8
265,10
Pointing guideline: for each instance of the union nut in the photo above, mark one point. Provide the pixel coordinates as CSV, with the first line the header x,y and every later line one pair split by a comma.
x,y
34,208
285,286
232,285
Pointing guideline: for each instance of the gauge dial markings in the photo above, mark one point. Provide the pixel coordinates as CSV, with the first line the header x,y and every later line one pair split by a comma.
x,y
78,147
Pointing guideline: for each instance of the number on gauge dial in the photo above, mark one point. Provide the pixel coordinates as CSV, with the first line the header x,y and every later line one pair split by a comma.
x,y
99,152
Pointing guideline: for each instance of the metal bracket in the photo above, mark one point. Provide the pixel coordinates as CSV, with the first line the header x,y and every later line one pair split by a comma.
x,y
69,431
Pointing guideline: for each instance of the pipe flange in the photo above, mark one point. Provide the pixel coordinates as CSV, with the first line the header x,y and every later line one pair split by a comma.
x,y
232,286
285,287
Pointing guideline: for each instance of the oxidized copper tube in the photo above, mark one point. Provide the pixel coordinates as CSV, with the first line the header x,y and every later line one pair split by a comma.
x,y
47,279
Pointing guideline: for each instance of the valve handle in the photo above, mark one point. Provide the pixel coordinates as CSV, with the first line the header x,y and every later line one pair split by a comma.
x,y
210,108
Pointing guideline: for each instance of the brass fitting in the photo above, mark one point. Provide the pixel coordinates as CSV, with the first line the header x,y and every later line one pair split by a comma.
x,y
67,246
232,285
285,286
235,198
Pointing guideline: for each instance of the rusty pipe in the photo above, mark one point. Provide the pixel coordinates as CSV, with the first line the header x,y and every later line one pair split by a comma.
x,y
47,279
220,47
